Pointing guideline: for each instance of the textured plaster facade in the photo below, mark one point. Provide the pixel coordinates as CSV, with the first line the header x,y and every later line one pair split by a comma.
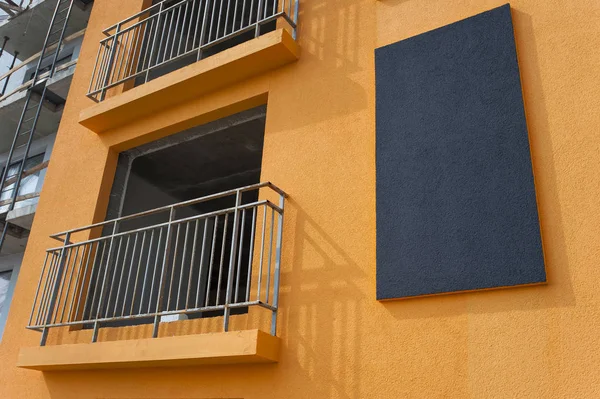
x,y
337,340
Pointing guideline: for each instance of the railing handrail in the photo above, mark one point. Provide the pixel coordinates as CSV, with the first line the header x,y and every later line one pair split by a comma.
x,y
173,206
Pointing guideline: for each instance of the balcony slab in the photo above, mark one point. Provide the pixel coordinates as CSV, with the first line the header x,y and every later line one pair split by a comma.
x,y
243,61
250,346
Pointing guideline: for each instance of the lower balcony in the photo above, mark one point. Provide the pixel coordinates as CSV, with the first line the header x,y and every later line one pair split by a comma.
x,y
167,264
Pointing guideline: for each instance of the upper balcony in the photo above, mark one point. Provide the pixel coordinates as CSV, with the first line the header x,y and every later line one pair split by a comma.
x,y
213,43
171,263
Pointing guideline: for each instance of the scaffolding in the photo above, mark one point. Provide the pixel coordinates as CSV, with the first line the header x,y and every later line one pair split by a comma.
x,y
35,98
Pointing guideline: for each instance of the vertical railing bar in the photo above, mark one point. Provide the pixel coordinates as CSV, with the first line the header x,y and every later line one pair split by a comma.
x,y
212,257
161,35
135,240
136,47
52,302
295,34
175,31
235,9
173,266
147,270
87,263
160,230
258,19
200,268
46,293
77,282
232,258
192,258
96,283
226,18
189,29
128,52
37,291
270,253
212,20
203,30
156,35
277,271
198,23
62,285
100,84
137,273
116,268
262,250
172,12
110,62
183,29
120,284
138,66
251,13
101,298
120,56
62,316
182,268
239,263
162,274
149,43
221,258
243,12
217,36
94,77
251,254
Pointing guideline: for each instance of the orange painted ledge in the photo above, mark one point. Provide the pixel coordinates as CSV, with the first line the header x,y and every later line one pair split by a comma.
x,y
243,61
251,346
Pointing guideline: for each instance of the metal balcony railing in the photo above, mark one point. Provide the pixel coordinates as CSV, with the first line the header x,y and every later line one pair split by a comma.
x,y
180,30
211,263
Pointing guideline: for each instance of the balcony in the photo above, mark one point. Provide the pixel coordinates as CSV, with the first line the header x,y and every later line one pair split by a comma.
x,y
141,269
210,44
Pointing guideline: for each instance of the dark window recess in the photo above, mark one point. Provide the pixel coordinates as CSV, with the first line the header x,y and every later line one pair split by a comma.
x,y
212,158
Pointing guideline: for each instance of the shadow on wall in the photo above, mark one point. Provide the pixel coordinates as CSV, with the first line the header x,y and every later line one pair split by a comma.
x,y
334,36
558,292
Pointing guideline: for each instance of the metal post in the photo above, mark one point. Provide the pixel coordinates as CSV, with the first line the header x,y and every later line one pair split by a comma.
x,y
277,267
54,294
232,258
12,65
202,30
295,33
101,298
257,31
160,8
6,38
111,60
161,284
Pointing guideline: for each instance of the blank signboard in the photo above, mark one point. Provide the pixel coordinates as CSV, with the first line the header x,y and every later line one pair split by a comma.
x,y
456,205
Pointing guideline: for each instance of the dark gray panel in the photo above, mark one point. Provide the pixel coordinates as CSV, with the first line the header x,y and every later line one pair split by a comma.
x,y
456,206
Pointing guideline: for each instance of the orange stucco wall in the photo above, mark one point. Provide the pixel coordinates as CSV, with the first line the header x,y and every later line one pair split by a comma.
x,y
337,340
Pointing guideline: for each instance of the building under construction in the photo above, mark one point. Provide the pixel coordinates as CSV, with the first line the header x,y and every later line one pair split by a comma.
x,y
39,49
